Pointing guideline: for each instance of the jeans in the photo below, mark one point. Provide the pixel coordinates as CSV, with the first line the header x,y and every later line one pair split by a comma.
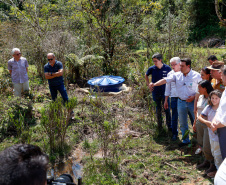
x,y
184,108
159,100
61,89
174,121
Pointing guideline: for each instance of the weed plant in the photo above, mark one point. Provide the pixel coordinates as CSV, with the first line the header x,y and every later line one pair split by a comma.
x,y
55,120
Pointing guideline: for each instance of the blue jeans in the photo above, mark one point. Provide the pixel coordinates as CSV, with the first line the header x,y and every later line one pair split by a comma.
x,y
159,100
61,89
174,121
184,109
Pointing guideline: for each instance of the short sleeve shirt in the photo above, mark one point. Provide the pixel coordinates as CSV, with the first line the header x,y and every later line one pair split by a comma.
x,y
201,104
185,85
53,69
19,71
210,113
158,74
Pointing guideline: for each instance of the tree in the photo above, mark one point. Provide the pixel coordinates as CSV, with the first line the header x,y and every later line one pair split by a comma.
x,y
219,15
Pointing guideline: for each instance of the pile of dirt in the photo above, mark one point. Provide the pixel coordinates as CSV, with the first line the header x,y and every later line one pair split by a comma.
x,y
211,42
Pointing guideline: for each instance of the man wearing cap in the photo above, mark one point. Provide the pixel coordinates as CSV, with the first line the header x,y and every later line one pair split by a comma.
x,y
159,71
54,73
18,68
186,84
216,75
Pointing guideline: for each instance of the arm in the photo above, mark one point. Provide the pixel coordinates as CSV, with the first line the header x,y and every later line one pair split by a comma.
x,y
166,106
216,124
26,69
195,102
10,71
190,99
158,83
48,75
204,120
147,83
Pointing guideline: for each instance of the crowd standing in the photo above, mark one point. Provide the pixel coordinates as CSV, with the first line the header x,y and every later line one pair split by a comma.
x,y
199,96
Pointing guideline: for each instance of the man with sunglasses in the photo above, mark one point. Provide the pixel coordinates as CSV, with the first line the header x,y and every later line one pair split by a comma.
x,y
18,68
54,74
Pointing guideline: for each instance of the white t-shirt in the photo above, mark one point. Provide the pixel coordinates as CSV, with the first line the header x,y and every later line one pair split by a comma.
x,y
201,104
210,113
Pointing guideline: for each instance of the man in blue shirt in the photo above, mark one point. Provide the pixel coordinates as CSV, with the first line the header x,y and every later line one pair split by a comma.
x,y
54,74
158,71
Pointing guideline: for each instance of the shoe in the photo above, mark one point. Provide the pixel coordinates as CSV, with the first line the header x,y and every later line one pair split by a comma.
x,y
183,144
198,151
212,174
212,168
174,138
72,115
205,164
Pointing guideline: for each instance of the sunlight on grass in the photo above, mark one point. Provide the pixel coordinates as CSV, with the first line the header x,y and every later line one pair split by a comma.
x,y
1,71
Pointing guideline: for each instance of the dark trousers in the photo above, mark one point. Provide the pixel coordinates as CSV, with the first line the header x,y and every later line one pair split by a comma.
x,y
61,89
159,100
222,139
174,121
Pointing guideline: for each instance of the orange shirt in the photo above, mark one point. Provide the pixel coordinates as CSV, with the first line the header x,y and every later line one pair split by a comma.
x,y
218,85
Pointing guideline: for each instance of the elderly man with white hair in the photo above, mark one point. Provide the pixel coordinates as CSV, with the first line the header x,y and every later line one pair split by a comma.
x,y
171,92
18,68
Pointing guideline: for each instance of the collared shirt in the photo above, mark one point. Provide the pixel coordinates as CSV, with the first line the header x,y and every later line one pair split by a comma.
x,y
19,71
171,87
218,85
158,74
53,69
221,116
185,85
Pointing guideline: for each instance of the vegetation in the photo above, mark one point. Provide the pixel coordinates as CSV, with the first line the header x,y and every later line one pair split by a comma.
x,y
114,138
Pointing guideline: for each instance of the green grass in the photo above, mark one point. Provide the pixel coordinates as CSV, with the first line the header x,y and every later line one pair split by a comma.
x,y
142,156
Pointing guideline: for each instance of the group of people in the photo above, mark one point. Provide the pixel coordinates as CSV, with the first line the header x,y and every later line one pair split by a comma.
x,y
199,96
18,69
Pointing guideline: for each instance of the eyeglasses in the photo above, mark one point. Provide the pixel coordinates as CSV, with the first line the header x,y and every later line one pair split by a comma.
x,y
50,59
173,64
18,54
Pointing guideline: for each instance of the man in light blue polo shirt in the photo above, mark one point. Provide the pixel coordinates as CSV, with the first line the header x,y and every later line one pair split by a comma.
x,y
158,72
18,68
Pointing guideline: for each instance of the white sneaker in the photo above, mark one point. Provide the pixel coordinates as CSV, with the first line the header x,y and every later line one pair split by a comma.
x,y
198,151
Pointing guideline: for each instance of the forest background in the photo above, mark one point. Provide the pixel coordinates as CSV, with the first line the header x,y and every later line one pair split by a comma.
x,y
103,37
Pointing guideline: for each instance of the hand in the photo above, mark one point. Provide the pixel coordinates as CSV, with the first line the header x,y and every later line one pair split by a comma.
x,y
195,110
190,99
166,105
194,127
151,86
213,126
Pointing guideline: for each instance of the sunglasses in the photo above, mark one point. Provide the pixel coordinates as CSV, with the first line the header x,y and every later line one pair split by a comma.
x,y
18,54
50,59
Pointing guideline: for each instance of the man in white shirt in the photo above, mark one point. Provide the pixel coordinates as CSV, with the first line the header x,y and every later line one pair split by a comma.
x,y
219,124
171,92
186,84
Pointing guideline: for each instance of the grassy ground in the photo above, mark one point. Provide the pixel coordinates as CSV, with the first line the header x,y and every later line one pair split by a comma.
x,y
115,137
139,154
